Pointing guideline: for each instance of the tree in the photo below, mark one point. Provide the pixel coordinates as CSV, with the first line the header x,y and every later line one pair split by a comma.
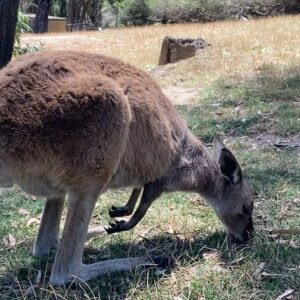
x,y
292,6
41,17
83,11
94,13
8,22
76,11
138,12
116,5
62,8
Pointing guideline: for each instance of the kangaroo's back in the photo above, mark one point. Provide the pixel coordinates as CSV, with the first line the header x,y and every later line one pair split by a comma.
x,y
48,109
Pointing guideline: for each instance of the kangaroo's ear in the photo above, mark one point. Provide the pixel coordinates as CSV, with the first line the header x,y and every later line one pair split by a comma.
x,y
229,166
218,147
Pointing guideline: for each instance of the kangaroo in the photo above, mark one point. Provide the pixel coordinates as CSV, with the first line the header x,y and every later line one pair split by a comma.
x,y
76,124
147,200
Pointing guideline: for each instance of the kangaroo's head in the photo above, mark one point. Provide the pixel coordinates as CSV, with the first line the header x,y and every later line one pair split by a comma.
x,y
234,205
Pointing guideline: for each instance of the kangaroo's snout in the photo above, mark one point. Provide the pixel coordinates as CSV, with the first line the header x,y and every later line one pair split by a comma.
x,y
245,236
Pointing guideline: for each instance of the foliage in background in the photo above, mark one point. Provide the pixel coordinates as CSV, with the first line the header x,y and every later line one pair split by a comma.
x,y
136,12
23,26
113,13
173,11
139,12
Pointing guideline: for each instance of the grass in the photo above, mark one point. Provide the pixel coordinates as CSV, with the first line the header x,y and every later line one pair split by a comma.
x,y
247,86
266,103
237,47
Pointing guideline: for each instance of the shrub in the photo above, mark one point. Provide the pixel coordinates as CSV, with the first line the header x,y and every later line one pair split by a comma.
x,y
23,26
138,12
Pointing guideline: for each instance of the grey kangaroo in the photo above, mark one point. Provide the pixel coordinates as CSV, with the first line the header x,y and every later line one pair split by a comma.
x,y
154,190
76,124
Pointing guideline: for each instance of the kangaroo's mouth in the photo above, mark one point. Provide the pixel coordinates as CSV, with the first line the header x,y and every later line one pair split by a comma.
x,y
239,239
245,236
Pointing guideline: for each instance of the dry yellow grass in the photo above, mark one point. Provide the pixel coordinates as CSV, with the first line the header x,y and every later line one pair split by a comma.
x,y
237,47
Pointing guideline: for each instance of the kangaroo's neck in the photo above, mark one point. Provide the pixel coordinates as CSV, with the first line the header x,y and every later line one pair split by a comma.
x,y
195,171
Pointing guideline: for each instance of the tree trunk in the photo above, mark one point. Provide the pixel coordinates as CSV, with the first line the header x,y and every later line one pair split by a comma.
x,y
84,10
32,8
71,14
63,8
41,17
8,22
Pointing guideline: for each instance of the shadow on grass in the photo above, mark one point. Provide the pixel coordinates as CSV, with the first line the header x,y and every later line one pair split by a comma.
x,y
14,284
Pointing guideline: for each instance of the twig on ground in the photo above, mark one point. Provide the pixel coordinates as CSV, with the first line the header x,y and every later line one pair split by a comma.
x,y
285,231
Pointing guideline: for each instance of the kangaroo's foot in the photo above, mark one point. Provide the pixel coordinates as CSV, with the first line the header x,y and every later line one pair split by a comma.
x,y
119,211
83,272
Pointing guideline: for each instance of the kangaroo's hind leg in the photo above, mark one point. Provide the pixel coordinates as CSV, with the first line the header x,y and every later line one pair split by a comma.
x,y
68,264
101,120
127,209
47,238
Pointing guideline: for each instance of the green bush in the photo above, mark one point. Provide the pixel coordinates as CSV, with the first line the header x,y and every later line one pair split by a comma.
x,y
135,12
23,25
139,12
174,11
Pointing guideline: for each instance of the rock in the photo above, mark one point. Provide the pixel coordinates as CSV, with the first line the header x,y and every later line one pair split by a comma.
x,y
174,49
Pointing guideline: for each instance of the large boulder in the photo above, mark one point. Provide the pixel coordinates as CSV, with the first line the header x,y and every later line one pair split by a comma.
x,y
174,49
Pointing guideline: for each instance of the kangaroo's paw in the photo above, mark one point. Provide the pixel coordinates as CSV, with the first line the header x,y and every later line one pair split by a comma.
x,y
119,211
118,226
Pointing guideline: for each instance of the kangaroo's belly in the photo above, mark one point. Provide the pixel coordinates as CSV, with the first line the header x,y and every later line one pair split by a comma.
x,y
38,186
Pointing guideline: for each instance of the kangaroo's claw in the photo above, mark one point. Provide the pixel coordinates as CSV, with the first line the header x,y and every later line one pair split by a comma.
x,y
116,227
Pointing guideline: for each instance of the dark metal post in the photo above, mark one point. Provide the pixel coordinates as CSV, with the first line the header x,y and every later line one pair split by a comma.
x,y
8,22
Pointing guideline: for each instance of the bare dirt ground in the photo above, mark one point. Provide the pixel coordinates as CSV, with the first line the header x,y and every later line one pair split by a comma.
x,y
265,140
181,95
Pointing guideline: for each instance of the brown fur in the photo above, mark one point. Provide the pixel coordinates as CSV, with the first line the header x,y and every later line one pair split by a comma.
x,y
77,124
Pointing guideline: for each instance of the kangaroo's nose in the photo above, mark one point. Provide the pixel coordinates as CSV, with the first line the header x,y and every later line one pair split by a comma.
x,y
245,236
